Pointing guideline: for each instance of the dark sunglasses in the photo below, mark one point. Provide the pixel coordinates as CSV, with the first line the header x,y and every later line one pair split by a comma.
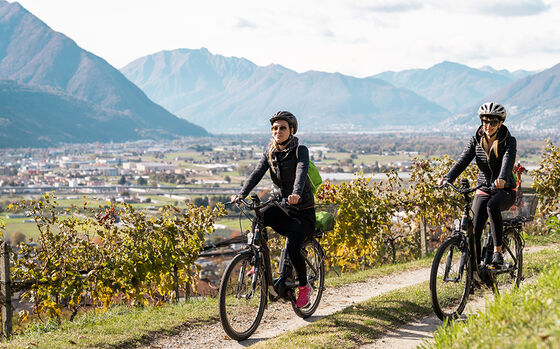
x,y
492,123
281,128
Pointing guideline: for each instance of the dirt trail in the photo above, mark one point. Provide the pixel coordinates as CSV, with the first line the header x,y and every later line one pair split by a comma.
x,y
279,317
415,333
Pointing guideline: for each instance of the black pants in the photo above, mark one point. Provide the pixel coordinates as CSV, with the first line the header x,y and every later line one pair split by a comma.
x,y
491,206
297,226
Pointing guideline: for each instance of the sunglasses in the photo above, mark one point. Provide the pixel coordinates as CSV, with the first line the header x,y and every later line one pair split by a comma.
x,y
281,128
492,123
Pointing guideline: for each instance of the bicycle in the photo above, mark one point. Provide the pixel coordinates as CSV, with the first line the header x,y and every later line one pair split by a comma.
x,y
455,264
247,284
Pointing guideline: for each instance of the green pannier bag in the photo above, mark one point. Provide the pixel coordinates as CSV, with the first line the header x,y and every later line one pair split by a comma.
x,y
324,221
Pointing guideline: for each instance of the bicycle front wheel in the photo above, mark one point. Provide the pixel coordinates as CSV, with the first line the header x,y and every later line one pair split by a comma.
x,y
315,263
242,297
450,279
511,273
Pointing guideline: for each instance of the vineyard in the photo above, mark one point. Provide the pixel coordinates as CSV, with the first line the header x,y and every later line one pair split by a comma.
x,y
98,257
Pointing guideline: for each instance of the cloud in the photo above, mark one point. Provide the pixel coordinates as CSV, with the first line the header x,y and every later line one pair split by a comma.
x,y
391,6
519,8
326,32
498,8
242,23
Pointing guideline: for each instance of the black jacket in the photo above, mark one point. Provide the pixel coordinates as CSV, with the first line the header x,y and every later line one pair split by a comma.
x,y
489,169
289,174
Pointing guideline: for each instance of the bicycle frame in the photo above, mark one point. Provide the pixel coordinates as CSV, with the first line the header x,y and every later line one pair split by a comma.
x,y
258,245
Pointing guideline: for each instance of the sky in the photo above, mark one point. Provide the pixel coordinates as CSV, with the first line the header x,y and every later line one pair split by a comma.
x,y
353,37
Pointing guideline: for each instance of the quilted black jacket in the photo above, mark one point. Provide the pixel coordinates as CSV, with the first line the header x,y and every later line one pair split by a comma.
x,y
490,168
289,174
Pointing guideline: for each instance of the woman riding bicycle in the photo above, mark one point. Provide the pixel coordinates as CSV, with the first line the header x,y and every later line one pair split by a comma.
x,y
494,149
288,162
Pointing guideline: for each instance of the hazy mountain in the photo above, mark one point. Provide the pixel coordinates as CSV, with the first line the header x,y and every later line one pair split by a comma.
x,y
31,53
451,85
532,102
35,116
229,94
515,75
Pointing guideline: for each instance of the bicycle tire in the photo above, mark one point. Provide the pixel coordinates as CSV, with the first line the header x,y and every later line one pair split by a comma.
x,y
448,294
511,274
241,313
315,277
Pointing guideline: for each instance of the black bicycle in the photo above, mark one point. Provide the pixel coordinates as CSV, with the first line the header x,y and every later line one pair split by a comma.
x,y
455,264
247,283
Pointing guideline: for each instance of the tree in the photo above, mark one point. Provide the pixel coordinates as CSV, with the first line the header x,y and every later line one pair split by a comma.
x,y
547,178
122,181
142,181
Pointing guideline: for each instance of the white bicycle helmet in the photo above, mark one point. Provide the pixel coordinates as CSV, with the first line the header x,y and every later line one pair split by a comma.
x,y
492,109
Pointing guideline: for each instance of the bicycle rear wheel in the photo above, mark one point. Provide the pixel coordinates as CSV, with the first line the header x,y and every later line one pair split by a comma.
x,y
511,273
450,278
242,297
314,260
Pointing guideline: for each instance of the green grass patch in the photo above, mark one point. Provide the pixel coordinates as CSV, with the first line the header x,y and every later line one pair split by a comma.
x,y
528,317
131,326
118,326
334,280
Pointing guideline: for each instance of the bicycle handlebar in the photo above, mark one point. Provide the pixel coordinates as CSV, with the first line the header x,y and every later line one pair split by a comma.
x,y
459,190
253,206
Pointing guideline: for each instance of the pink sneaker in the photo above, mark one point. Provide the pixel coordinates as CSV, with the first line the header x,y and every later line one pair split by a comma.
x,y
303,296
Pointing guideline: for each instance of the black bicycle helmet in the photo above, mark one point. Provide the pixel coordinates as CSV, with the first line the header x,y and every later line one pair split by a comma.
x,y
286,116
492,109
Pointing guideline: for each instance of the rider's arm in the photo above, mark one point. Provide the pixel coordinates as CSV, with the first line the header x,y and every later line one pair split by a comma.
x,y
301,170
255,177
464,160
508,161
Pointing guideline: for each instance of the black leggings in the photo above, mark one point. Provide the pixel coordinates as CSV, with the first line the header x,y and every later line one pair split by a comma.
x,y
491,205
296,232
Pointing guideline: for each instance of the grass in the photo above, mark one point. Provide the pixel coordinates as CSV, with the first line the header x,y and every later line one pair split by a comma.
x,y
536,323
118,327
365,322
124,326
131,326
334,280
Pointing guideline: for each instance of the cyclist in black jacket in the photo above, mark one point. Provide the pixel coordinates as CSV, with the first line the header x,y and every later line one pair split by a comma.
x,y
288,162
494,149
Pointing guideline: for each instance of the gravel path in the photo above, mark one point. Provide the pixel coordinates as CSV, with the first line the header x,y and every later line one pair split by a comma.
x,y
413,334
280,318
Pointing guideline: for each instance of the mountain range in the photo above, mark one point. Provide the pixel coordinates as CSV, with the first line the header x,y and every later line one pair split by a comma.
x,y
533,102
451,85
52,91
233,95
34,55
230,94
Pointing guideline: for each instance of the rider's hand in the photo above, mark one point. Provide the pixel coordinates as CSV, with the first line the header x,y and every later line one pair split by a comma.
x,y
293,199
499,183
440,181
235,198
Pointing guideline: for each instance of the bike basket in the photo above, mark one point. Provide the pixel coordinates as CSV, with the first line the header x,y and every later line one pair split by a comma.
x,y
525,207
325,215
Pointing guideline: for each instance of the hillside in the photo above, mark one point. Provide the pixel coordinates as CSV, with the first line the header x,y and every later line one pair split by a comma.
x,y
229,94
34,116
33,54
451,85
532,102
